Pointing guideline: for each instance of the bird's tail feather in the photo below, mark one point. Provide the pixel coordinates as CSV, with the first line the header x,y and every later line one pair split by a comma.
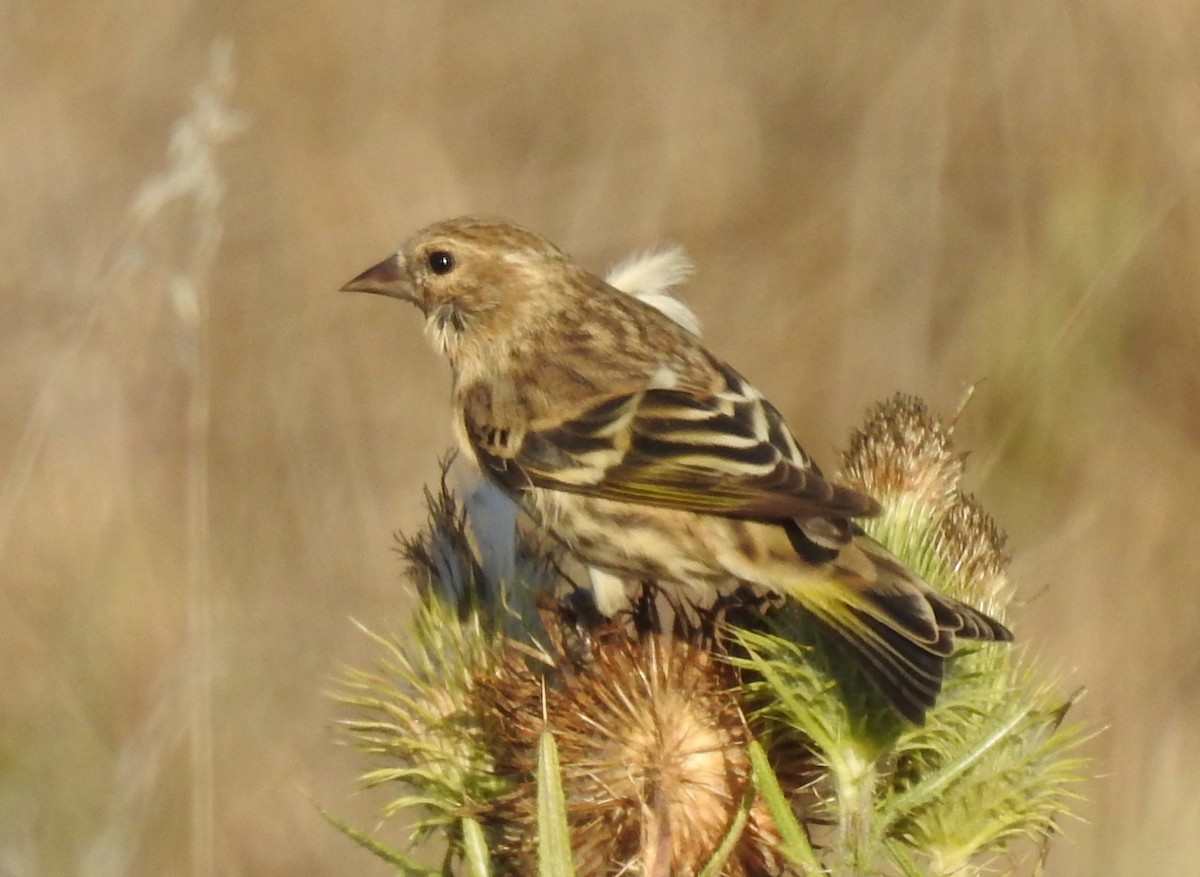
x,y
899,629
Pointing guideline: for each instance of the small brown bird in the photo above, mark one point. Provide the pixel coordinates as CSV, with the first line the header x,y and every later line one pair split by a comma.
x,y
651,458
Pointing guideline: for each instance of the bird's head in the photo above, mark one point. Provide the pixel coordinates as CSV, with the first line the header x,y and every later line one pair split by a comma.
x,y
471,277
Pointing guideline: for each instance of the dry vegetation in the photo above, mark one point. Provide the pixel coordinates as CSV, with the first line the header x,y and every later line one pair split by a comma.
x,y
879,197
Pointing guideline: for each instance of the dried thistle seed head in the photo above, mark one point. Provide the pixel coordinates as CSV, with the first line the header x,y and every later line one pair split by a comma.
x,y
652,746
903,454
972,550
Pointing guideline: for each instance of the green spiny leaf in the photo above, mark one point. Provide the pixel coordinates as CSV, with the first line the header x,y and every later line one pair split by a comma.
x,y
554,833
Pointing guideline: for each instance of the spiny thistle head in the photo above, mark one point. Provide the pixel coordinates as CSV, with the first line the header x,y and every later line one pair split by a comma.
x,y
652,744
902,454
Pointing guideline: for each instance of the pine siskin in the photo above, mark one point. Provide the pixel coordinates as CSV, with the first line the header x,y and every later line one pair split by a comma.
x,y
651,458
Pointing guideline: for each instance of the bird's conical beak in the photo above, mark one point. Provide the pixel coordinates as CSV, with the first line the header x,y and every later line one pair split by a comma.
x,y
389,277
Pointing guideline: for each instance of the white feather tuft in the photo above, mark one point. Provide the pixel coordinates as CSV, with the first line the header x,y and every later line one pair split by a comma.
x,y
650,276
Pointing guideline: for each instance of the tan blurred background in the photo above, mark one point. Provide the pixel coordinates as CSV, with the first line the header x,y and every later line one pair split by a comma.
x,y
879,197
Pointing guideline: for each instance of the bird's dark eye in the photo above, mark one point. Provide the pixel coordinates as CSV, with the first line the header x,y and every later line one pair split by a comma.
x,y
441,262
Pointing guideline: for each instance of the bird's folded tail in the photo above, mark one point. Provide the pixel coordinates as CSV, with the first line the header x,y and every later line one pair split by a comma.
x,y
898,628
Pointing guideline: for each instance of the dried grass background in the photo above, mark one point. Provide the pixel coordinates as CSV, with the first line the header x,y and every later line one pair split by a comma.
x,y
879,197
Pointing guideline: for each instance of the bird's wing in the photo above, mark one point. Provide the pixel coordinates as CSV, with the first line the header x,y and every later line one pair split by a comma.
x,y
725,453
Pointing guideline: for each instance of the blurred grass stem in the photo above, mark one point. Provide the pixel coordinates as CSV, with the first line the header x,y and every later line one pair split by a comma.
x,y
192,178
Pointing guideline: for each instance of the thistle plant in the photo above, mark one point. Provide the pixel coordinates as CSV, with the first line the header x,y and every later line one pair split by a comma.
x,y
528,734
